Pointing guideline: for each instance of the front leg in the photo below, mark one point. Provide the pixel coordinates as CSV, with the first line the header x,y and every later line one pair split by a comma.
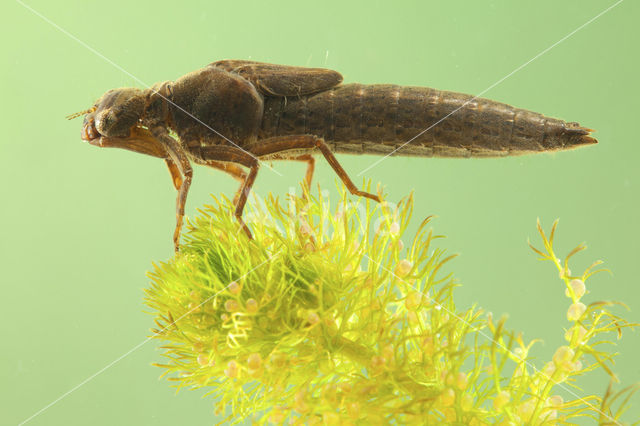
x,y
177,159
176,177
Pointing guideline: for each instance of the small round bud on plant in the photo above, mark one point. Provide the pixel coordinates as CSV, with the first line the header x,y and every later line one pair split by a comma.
x,y
197,346
501,400
232,370
578,288
276,361
549,369
234,287
252,306
413,300
563,356
394,229
377,363
555,401
203,360
313,318
461,381
448,397
448,378
254,361
403,268
231,305
581,331
575,312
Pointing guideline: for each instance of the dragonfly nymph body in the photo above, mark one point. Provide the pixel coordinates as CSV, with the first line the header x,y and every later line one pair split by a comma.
x,y
232,114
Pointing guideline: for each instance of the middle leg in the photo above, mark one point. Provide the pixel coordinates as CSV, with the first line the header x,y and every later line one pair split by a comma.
x,y
232,169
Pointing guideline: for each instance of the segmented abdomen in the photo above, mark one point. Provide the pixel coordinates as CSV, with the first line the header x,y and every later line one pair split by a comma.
x,y
379,119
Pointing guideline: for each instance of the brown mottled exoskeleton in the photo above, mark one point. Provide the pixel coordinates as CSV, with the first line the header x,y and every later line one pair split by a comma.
x,y
233,113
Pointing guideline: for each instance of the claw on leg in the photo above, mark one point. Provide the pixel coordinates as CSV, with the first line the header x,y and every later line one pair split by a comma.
x,y
242,195
176,233
335,165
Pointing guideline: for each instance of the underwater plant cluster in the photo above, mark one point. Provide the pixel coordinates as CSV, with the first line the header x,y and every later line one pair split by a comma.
x,y
330,315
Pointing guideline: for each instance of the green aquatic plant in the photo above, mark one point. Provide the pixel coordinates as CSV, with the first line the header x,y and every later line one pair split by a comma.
x,y
327,317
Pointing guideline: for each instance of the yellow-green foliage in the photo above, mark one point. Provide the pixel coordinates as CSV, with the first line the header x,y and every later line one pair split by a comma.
x,y
327,317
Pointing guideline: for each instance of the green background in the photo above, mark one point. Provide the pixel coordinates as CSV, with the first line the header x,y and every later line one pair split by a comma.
x,y
81,225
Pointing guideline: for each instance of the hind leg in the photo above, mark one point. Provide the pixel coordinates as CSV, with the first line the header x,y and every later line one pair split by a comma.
x,y
276,147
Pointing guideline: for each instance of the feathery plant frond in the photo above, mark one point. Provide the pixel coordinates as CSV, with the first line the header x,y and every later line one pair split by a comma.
x,y
326,316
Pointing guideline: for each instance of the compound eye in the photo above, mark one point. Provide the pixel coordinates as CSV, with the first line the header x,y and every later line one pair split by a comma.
x,y
105,120
89,131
